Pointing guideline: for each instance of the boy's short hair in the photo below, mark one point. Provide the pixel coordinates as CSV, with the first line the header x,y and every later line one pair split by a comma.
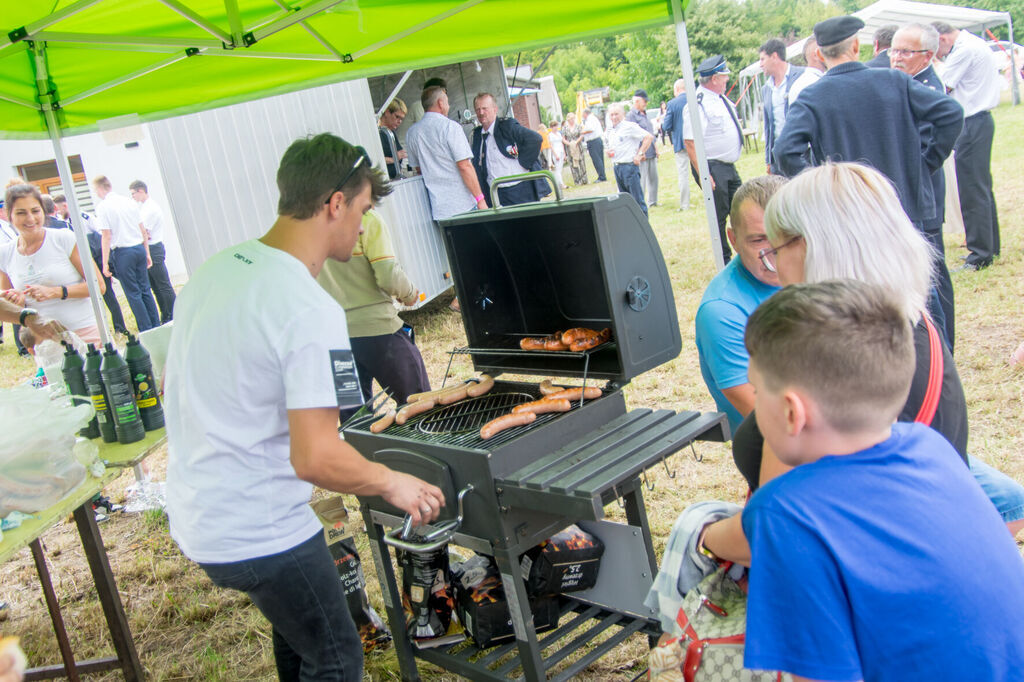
x,y
311,169
138,184
102,181
845,342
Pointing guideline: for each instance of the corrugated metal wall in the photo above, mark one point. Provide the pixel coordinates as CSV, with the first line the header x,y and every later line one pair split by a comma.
x,y
219,167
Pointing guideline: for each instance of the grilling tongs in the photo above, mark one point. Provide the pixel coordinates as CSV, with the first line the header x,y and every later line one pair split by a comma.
x,y
441,535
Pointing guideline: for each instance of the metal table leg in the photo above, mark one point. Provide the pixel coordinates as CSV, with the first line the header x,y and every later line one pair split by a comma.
x,y
106,588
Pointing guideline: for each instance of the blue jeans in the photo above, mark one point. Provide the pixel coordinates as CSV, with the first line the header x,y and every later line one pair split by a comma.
x,y
129,264
300,593
1006,494
627,176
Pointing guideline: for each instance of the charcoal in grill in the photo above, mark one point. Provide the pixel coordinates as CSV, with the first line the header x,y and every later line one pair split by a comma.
x,y
483,608
426,591
566,562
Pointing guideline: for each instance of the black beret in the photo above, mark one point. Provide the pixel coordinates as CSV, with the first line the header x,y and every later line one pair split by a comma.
x,y
640,93
836,30
712,65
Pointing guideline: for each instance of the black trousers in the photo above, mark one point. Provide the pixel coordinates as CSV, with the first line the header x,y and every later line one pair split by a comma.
x,y
595,148
109,297
160,282
521,193
394,361
727,181
974,180
940,303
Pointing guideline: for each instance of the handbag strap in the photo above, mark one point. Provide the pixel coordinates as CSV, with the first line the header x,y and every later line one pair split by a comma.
x,y
695,652
935,369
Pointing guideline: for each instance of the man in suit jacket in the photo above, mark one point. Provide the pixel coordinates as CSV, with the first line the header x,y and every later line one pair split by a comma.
x,y
883,40
501,146
775,94
673,125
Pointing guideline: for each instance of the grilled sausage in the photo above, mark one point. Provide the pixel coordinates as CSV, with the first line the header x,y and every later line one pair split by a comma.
x,y
384,422
452,394
416,397
585,343
531,343
485,384
606,334
413,409
554,343
505,421
575,334
543,406
547,388
590,393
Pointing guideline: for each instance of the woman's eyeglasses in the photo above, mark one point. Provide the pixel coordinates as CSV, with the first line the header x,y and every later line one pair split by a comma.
x,y
767,256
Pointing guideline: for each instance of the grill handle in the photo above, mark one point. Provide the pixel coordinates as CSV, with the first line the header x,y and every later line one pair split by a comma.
x,y
532,175
440,536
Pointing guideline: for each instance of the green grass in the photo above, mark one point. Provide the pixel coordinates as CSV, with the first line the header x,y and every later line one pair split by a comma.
x,y
185,629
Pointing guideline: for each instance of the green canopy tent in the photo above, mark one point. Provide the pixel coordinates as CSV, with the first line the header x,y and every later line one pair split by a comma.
x,y
87,63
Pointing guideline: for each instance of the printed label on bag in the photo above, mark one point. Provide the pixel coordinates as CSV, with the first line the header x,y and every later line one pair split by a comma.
x,y
346,380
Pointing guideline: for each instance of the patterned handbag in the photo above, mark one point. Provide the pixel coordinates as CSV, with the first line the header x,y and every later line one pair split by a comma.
x,y
713,619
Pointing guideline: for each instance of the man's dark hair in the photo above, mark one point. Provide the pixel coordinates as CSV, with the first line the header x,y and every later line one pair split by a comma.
x,y
60,199
883,36
49,206
313,166
15,192
774,46
436,82
846,342
138,184
943,28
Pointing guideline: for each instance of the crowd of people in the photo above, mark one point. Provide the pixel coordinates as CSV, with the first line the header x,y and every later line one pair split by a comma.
x,y
42,269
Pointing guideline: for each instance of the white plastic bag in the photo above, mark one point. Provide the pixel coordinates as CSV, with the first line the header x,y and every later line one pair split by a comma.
x,y
37,438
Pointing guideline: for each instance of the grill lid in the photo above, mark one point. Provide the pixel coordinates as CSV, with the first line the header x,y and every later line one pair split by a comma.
x,y
534,269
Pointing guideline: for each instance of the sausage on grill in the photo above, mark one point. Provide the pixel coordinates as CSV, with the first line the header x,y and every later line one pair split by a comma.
x,y
413,409
590,393
452,394
505,421
543,406
485,384
585,343
384,422
577,333
531,343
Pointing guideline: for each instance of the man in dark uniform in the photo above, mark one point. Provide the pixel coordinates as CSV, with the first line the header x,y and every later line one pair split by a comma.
x,y
880,117
501,146
883,41
912,50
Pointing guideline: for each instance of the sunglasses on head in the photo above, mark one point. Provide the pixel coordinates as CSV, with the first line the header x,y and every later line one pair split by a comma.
x,y
360,160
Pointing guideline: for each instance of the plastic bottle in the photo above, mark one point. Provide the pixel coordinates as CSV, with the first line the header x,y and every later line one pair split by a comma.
x,y
118,382
147,399
73,369
94,383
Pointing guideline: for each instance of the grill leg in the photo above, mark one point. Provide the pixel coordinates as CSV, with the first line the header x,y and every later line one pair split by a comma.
x,y
636,515
392,598
522,616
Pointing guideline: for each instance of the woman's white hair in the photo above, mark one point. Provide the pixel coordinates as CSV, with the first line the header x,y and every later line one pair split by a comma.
x,y
854,228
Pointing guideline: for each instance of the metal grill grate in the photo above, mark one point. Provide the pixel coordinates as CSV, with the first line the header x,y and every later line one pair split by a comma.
x,y
470,415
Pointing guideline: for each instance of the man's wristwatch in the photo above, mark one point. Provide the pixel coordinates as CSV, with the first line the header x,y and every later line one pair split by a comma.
x,y
25,312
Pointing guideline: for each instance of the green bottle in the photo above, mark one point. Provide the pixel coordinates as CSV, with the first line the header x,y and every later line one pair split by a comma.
x,y
73,369
147,398
98,393
118,382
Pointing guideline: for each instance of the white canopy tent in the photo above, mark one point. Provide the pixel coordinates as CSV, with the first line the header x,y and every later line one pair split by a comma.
x,y
901,12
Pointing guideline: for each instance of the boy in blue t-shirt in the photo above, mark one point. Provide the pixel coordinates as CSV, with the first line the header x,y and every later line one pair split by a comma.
x,y
878,557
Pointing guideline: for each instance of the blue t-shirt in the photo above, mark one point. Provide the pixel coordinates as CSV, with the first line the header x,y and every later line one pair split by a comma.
x,y
887,564
728,302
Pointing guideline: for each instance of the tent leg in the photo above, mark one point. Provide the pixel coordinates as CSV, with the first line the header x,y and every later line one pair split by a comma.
x,y
64,171
683,43
1014,85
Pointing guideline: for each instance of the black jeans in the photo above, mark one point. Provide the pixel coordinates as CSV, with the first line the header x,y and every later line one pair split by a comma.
x,y
160,282
109,297
595,148
627,177
300,593
974,183
727,181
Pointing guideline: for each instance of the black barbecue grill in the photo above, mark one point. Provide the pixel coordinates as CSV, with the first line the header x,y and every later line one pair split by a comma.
x,y
529,271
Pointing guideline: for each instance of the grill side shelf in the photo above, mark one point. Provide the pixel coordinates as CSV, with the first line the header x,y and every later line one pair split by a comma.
x,y
574,478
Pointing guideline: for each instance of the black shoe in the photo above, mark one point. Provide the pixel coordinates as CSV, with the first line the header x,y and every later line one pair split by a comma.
x,y
104,503
973,267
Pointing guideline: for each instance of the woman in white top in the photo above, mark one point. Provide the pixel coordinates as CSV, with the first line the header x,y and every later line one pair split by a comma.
x,y
557,151
42,268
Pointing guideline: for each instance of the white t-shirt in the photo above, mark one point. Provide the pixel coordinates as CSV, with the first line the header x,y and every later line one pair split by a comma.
x,y
254,336
972,74
623,141
591,128
50,266
808,77
120,215
153,220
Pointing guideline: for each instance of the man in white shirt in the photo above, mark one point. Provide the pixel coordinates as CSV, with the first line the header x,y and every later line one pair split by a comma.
x,y
782,76
153,220
125,251
972,78
592,132
812,74
626,144
438,148
723,138
258,365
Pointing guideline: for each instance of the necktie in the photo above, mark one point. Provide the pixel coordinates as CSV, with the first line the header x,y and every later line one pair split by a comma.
x,y
483,150
732,114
